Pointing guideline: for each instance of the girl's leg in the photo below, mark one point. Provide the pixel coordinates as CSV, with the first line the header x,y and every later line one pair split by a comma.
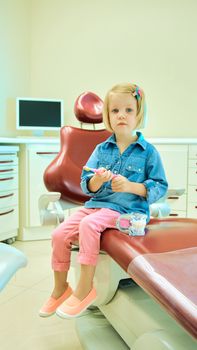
x,y
62,239
90,229
85,283
60,284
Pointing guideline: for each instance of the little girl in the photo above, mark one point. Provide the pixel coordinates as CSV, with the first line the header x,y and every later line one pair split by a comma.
x,y
140,180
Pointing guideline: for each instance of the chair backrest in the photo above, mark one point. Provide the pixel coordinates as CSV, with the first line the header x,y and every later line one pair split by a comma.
x,y
64,172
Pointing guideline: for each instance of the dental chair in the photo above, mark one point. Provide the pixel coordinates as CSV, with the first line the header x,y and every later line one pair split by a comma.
x,y
147,286
11,259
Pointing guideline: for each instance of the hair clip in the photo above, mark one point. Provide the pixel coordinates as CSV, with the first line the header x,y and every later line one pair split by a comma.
x,y
137,93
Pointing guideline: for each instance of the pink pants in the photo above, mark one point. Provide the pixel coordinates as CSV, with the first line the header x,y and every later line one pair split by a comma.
x,y
84,226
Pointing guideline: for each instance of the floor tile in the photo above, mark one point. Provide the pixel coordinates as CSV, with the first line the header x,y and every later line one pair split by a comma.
x,y
21,327
10,292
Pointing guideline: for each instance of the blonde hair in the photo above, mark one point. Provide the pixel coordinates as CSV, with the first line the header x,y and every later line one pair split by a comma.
x,y
125,88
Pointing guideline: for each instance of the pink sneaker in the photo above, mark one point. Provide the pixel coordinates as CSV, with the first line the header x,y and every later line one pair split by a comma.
x,y
74,307
49,308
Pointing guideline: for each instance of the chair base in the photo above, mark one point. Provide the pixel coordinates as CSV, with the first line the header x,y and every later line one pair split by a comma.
x,y
106,279
142,323
132,320
95,332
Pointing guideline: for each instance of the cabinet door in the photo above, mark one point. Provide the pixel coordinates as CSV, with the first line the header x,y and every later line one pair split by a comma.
x,y
175,161
177,203
178,214
38,161
192,183
192,176
8,199
192,194
8,192
192,210
8,221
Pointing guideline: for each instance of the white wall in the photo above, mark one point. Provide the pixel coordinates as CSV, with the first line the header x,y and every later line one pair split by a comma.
x,y
91,45
14,59
80,45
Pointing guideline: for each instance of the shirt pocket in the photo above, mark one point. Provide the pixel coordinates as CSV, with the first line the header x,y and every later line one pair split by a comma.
x,y
105,162
135,170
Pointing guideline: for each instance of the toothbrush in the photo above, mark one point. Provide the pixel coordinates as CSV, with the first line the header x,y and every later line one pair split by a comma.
x,y
96,171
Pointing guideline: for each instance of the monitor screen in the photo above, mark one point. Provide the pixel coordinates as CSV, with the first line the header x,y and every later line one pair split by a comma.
x,y
39,114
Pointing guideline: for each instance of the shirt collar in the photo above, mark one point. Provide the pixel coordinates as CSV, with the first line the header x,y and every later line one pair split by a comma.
x,y
140,141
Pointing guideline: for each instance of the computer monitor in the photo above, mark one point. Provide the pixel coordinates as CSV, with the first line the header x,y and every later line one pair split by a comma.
x,y
39,115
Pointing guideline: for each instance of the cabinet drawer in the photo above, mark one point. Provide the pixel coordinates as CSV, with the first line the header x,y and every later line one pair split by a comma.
x,y
8,170
8,182
8,219
193,163
175,163
192,210
192,194
178,214
193,151
177,203
8,199
192,176
8,159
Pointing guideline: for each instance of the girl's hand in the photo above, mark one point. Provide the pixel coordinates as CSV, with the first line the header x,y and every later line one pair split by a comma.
x,y
120,184
103,175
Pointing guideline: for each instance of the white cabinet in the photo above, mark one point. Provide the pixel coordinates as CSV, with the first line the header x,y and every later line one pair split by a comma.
x,y
38,160
9,221
192,182
34,159
175,161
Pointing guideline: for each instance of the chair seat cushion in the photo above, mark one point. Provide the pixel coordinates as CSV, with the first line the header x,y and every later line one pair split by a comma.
x,y
163,263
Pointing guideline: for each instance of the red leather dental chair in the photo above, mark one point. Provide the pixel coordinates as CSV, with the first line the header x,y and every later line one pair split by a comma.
x,y
62,176
155,305
77,144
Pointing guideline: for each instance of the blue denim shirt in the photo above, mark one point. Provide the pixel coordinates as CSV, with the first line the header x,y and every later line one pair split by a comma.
x,y
140,162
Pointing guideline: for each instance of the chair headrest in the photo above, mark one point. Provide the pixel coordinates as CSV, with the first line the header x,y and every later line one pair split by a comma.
x,y
88,108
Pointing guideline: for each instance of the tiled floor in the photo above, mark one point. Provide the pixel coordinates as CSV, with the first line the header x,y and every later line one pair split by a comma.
x,y
20,326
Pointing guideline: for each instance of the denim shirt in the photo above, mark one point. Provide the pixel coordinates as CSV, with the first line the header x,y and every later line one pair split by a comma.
x,y
140,163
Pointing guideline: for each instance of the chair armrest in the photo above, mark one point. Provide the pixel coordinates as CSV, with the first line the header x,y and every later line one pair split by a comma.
x,y
162,208
51,212
159,210
175,192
